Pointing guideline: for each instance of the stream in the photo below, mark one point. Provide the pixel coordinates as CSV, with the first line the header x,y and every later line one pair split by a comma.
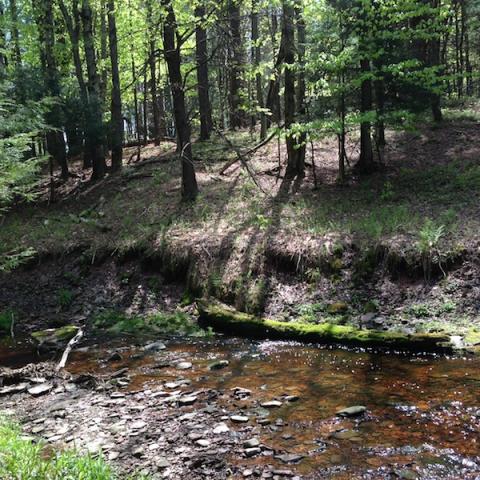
x,y
271,412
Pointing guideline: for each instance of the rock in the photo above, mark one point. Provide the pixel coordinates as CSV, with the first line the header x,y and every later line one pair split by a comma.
x,y
353,411
187,400
113,456
346,435
239,418
154,347
38,429
247,473
40,389
292,398
203,443
221,428
251,452
289,457
19,388
138,425
240,392
138,452
115,357
183,365
218,365
271,404
162,462
117,395
251,443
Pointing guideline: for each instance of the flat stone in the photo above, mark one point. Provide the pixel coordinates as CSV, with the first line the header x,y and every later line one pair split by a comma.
x,y
239,419
40,389
162,462
183,365
251,443
292,398
203,443
154,347
138,425
289,457
251,452
218,364
353,411
187,400
271,404
221,428
19,388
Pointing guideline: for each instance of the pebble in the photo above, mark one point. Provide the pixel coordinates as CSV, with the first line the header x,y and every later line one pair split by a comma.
x,y
271,404
251,452
352,411
187,400
251,443
218,365
239,418
203,443
183,365
221,428
40,389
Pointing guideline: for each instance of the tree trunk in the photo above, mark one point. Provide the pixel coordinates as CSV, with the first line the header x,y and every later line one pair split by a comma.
x,y
72,23
434,60
256,57
103,49
173,59
55,139
288,41
237,62
301,85
365,163
95,115
202,74
116,107
3,57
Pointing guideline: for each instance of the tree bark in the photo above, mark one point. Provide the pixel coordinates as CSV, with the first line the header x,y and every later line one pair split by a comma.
x,y
55,139
256,57
202,74
173,59
117,132
237,62
94,115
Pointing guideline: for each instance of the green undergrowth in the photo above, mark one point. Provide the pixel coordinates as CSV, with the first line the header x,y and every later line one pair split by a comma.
x,y
6,319
21,458
176,323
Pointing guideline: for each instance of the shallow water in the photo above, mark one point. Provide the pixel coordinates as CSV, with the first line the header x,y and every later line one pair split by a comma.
x,y
423,414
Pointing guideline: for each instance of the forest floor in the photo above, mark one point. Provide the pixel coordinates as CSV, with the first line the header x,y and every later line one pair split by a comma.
x,y
397,250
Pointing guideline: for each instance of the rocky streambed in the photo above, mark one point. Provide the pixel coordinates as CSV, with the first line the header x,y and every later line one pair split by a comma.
x,y
229,408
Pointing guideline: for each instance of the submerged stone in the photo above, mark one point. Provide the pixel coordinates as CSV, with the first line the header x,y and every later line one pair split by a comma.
x,y
352,411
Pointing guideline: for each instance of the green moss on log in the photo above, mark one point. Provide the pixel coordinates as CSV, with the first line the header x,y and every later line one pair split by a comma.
x,y
228,320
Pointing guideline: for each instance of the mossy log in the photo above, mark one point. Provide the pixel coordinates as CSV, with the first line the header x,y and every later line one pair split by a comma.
x,y
225,319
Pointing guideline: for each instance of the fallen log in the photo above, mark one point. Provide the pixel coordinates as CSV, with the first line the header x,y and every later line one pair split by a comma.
x,y
225,319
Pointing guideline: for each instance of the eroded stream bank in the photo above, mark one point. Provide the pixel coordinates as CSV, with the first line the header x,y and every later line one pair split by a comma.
x,y
270,412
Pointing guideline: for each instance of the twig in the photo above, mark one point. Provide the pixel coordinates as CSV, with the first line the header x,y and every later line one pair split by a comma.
x,y
12,324
69,348
247,153
242,160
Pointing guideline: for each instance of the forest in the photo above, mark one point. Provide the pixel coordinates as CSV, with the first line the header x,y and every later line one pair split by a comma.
x,y
239,239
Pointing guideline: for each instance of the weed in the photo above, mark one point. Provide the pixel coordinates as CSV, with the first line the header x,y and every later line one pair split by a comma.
x,y
65,297
6,319
24,459
420,310
387,193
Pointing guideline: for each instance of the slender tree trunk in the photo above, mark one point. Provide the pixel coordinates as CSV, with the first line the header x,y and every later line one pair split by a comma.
x,y
17,54
366,163
288,40
73,25
434,60
237,62
256,57
117,132
273,95
301,85
173,59
3,57
103,49
95,115
46,27
202,74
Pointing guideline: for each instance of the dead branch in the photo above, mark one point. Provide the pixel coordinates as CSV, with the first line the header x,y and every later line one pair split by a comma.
x,y
69,348
250,152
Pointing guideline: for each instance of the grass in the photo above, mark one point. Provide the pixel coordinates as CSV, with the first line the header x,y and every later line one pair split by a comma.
x,y
176,323
23,459
382,207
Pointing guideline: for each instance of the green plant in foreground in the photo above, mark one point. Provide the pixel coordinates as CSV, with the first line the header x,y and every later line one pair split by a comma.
x,y
6,319
23,459
65,297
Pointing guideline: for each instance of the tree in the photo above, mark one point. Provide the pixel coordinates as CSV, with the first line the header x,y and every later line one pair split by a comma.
x,y
46,27
116,107
94,108
171,47
203,86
